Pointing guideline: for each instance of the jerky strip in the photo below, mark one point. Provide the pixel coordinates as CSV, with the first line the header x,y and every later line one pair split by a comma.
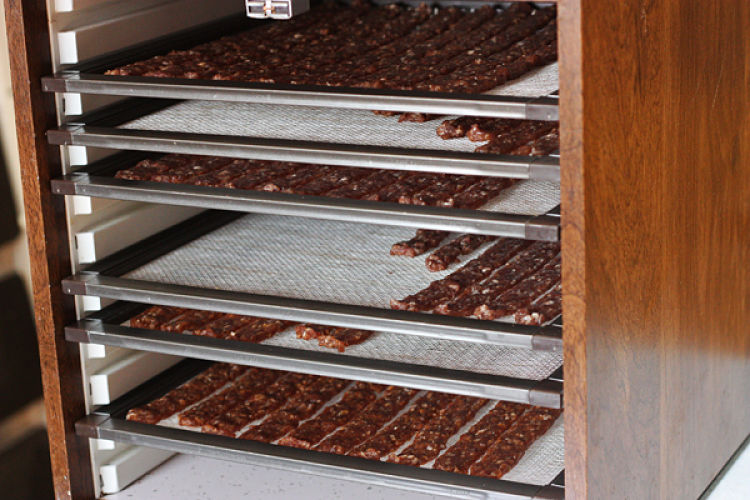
x,y
431,440
522,265
442,192
367,423
300,175
230,417
507,452
425,239
473,444
456,128
225,326
337,177
486,130
544,310
481,193
261,329
507,142
298,408
370,186
398,432
446,255
185,395
190,321
313,431
522,294
155,316
402,191
341,338
198,166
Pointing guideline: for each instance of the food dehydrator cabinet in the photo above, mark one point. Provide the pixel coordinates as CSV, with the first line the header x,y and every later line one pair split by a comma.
x,y
654,109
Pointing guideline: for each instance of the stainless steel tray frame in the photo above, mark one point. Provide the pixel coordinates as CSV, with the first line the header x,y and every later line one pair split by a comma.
x,y
104,327
98,180
109,423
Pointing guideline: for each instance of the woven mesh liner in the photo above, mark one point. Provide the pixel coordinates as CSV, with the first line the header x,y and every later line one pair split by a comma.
x,y
330,125
481,358
338,262
332,261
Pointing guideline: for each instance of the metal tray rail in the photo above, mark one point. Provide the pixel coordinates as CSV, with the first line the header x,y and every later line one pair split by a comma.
x,y
98,180
89,78
104,327
104,279
109,423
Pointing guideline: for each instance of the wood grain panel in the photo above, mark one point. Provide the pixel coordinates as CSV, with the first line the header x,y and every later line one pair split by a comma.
x,y
28,42
656,213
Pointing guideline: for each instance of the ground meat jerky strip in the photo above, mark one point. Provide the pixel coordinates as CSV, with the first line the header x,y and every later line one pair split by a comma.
x,y
446,255
432,439
481,131
481,193
155,317
527,262
398,432
475,53
221,177
225,326
190,321
425,239
544,145
401,192
331,336
258,177
370,186
144,170
314,430
261,329
523,294
507,452
474,272
456,128
336,178
301,174
299,407
188,393
442,192
474,443
367,423
544,310
507,142
255,380
229,417
185,173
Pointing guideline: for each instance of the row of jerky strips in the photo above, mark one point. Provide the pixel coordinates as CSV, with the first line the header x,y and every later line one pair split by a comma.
x,y
509,277
416,188
358,419
208,324
505,136
243,328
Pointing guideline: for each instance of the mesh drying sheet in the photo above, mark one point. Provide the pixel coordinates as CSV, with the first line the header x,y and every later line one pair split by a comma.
x,y
330,125
339,262
541,463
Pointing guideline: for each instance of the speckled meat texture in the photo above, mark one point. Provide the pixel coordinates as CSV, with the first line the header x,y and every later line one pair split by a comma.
x,y
449,253
351,404
423,241
503,455
155,316
432,439
398,432
368,422
543,310
331,336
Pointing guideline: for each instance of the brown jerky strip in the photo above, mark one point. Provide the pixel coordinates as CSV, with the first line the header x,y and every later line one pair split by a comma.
x,y
300,407
425,239
146,169
474,272
431,440
190,321
313,431
523,294
300,175
370,186
395,434
481,193
473,444
402,191
367,423
338,177
486,130
442,192
185,173
261,329
255,380
223,176
547,144
235,415
341,338
155,316
458,127
188,393
507,142
225,326
519,267
417,117
309,332
507,452
268,171
544,310
446,255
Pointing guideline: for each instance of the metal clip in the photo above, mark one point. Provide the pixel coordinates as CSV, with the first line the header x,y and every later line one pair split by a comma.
x,y
276,9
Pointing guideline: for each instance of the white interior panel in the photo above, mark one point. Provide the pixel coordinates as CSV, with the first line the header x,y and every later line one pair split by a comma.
x,y
125,468
126,374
